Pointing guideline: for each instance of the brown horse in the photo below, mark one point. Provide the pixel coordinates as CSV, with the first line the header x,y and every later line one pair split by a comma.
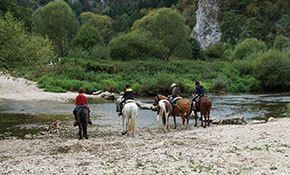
x,y
181,108
82,121
203,106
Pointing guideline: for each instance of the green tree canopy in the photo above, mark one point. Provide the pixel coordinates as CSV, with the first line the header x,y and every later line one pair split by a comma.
x,y
88,37
57,21
168,26
18,49
102,23
136,44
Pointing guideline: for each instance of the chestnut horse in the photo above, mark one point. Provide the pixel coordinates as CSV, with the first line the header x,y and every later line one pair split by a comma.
x,y
181,108
203,106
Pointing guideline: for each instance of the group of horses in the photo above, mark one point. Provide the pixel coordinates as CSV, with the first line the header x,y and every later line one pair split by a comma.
x,y
182,107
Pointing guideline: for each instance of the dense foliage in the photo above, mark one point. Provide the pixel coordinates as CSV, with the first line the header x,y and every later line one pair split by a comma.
x,y
145,43
20,50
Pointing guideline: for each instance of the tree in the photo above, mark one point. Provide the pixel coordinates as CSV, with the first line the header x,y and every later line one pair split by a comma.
x,y
102,23
232,26
136,44
168,26
57,21
88,37
18,49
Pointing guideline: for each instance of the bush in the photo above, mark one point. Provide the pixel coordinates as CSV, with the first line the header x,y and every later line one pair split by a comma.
x,y
219,85
215,51
272,68
88,37
281,42
248,47
136,44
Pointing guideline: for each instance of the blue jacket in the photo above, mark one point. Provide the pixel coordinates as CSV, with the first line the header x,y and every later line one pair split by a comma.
x,y
199,90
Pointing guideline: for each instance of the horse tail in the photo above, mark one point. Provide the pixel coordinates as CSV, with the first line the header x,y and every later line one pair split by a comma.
x,y
132,119
208,106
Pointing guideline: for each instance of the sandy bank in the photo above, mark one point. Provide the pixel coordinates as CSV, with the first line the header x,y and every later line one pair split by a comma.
x,y
22,89
228,149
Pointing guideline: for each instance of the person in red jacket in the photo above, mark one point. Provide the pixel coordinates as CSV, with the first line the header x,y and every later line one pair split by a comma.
x,y
81,101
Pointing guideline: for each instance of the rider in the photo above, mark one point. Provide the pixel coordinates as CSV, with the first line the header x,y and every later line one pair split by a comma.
x,y
127,95
175,92
199,92
81,101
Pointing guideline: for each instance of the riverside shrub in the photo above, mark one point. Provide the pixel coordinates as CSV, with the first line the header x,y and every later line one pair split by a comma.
x,y
246,48
136,44
272,68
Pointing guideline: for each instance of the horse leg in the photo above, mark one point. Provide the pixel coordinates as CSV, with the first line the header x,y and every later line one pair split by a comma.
x,y
174,118
166,120
123,125
201,119
80,132
85,128
195,117
208,118
183,121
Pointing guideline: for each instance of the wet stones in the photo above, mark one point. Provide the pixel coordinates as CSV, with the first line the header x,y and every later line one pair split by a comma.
x,y
230,121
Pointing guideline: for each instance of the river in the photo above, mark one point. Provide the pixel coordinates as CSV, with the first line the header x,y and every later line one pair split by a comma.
x,y
20,115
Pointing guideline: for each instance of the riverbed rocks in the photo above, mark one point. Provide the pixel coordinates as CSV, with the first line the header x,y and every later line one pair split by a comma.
x,y
240,149
105,95
272,119
144,105
230,121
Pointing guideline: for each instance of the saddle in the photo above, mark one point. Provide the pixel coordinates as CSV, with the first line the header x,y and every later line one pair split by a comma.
x,y
173,101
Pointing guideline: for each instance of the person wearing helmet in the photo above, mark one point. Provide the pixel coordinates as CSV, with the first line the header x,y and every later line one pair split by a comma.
x,y
128,95
81,101
175,92
199,92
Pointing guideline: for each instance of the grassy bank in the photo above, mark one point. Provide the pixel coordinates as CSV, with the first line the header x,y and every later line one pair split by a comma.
x,y
146,76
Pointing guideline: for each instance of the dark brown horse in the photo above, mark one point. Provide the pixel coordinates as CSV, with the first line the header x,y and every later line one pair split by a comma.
x,y
181,108
82,120
203,106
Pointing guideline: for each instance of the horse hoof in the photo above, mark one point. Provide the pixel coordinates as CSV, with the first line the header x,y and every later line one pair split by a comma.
x,y
86,137
124,132
195,125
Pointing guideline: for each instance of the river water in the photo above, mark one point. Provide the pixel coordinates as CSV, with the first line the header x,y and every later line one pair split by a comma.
x,y
17,114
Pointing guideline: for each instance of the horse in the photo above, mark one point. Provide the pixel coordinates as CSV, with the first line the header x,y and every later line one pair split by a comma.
x,y
129,115
203,106
181,108
164,109
82,115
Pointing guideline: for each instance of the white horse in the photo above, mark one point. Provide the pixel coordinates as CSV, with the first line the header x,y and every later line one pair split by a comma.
x,y
129,115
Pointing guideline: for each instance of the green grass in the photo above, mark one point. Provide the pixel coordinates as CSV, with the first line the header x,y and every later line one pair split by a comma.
x,y
147,77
